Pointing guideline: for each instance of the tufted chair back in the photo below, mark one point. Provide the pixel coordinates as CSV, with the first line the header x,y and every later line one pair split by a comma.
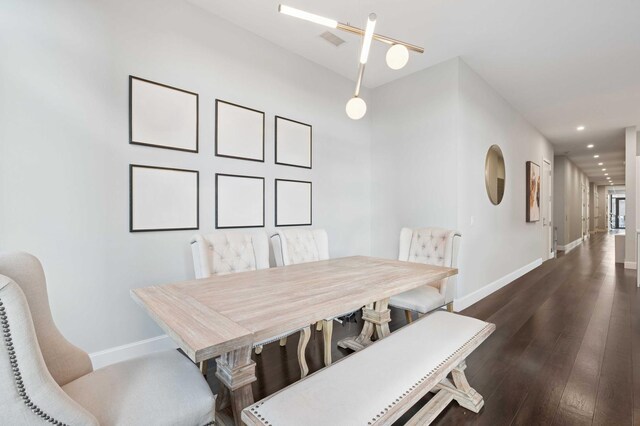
x,y
225,252
64,361
293,246
432,246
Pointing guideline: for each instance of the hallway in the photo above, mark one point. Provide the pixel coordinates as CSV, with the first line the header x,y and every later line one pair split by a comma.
x,y
567,340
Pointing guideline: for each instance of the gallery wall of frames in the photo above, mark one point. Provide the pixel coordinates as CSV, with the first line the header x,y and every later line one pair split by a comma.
x,y
165,198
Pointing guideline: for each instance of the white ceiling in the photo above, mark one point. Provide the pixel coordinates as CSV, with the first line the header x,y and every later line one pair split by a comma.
x,y
561,63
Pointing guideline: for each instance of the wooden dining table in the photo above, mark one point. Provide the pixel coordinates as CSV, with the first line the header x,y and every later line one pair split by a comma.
x,y
222,316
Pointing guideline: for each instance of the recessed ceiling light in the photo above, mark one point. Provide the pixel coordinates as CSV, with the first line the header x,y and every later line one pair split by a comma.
x,y
606,174
580,128
604,170
590,146
596,156
600,164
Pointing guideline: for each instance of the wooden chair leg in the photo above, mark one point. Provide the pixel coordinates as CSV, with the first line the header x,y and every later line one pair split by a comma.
x,y
204,366
407,315
327,331
450,306
305,335
283,341
258,350
319,326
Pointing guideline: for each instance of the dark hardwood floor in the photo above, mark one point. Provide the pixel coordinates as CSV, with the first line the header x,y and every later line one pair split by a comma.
x,y
563,353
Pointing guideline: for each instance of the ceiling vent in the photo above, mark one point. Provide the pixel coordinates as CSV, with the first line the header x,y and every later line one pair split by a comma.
x,y
332,38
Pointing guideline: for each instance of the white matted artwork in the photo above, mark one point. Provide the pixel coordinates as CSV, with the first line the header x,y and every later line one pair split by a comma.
x,y
293,202
293,143
163,199
162,116
239,132
239,201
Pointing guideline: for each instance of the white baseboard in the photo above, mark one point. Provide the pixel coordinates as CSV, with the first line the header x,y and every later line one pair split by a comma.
x,y
630,265
567,248
131,350
468,300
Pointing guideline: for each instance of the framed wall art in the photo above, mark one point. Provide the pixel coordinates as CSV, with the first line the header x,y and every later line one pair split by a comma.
x,y
162,116
239,201
163,199
293,202
239,132
533,192
293,141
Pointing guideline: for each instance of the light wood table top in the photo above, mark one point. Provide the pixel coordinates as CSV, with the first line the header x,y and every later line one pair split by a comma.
x,y
212,316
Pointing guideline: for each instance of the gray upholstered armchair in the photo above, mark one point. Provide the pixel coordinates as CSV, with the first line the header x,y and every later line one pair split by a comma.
x,y
44,378
433,246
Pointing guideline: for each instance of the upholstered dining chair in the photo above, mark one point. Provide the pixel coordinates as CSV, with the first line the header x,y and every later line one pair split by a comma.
x,y
432,246
45,379
293,246
223,252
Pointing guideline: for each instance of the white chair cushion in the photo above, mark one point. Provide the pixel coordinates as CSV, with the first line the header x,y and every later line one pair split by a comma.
x,y
163,388
293,246
422,299
409,356
429,245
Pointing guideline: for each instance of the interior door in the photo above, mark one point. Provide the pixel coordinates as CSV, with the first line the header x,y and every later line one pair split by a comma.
x,y
547,212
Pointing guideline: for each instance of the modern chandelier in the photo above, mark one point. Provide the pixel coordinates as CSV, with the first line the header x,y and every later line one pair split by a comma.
x,y
397,55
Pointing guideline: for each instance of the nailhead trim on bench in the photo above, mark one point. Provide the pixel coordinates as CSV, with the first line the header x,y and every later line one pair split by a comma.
x,y
426,376
254,409
17,376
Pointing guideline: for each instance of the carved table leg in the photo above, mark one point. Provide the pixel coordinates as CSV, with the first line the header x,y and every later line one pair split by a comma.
x,y
236,372
376,317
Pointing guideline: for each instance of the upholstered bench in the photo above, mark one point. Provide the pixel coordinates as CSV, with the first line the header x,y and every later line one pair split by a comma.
x,y
381,382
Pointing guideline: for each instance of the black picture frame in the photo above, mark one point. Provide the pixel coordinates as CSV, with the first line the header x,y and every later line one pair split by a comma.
x,y
217,200
131,191
217,136
310,166
310,203
142,143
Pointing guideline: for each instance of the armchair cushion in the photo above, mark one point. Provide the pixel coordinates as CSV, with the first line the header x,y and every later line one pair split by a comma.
x,y
422,299
295,246
163,388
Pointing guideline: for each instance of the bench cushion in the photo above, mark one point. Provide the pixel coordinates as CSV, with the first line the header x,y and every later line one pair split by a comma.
x,y
358,389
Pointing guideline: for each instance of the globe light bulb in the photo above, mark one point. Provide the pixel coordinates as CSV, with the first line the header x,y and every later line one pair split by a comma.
x,y
356,108
397,56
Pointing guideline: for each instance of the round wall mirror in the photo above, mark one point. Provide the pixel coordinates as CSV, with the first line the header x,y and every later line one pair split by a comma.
x,y
494,174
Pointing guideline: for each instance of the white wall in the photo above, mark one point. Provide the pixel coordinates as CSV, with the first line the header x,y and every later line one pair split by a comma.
x,y
568,212
496,240
64,151
431,133
414,155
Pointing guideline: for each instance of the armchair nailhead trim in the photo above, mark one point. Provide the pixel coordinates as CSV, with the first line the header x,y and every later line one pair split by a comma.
x,y
17,376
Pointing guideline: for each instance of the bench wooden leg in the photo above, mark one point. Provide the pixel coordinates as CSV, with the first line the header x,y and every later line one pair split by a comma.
x,y
376,317
407,315
305,335
459,391
327,332
204,366
236,372
319,326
